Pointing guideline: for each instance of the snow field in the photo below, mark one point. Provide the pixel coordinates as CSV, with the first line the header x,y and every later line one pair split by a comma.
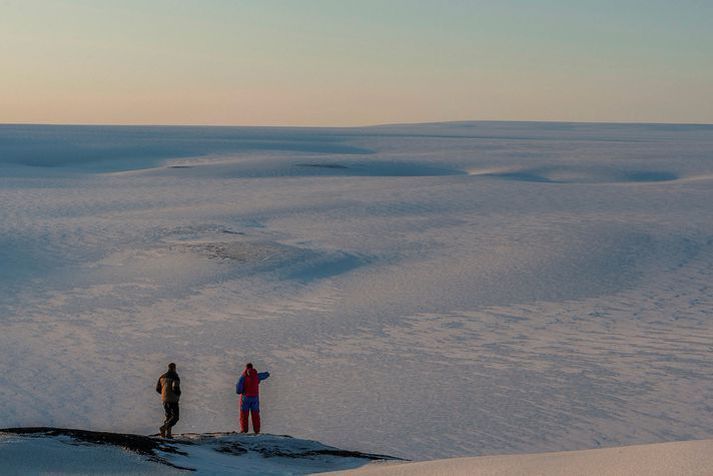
x,y
422,291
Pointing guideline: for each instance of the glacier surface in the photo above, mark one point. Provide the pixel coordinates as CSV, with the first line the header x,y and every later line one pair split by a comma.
x,y
423,291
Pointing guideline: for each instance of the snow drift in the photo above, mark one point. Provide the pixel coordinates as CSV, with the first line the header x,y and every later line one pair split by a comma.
x,y
683,458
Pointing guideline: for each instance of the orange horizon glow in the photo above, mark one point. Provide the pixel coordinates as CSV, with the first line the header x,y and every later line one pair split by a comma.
x,y
321,63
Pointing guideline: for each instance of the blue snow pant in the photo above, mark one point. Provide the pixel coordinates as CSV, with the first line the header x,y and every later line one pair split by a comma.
x,y
249,406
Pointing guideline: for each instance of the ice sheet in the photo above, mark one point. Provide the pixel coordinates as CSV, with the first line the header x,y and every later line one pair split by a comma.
x,y
424,291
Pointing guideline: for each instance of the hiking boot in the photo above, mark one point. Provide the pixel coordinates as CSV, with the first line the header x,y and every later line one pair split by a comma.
x,y
162,430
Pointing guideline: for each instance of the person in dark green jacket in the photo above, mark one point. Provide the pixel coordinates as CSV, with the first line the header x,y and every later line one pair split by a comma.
x,y
169,386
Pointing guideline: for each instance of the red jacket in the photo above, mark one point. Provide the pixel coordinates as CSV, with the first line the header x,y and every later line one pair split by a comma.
x,y
249,382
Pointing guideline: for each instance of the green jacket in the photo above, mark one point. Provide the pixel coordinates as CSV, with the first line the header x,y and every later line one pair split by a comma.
x,y
169,386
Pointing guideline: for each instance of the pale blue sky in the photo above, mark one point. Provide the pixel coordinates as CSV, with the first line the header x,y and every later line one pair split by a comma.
x,y
332,62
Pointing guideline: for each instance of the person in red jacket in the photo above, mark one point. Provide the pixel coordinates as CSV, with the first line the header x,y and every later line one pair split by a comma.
x,y
248,387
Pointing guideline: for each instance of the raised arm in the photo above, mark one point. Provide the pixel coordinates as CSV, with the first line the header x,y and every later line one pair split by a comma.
x,y
263,375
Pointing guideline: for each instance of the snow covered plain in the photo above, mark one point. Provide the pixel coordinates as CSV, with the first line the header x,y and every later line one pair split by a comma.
x,y
422,291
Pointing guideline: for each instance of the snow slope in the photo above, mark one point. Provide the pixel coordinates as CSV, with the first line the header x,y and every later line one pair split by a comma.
x,y
424,291
27,451
683,458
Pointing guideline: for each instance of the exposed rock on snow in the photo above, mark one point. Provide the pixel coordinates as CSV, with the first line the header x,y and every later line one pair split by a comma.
x,y
59,450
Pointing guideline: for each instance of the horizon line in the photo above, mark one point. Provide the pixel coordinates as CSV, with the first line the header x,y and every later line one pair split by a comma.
x,y
360,126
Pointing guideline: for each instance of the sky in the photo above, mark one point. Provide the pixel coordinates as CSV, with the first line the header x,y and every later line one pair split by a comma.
x,y
354,62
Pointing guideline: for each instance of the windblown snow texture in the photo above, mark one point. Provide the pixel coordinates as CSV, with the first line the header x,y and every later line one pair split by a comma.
x,y
424,291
